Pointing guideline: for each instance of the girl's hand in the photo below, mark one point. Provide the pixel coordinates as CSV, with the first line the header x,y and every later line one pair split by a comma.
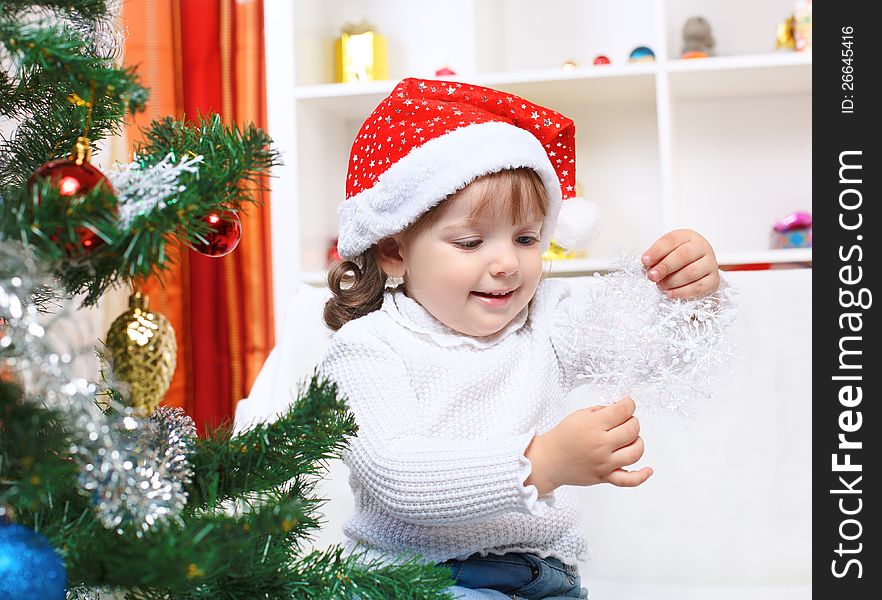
x,y
589,446
683,265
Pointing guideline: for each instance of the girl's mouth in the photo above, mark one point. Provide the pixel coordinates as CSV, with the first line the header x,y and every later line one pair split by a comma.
x,y
494,299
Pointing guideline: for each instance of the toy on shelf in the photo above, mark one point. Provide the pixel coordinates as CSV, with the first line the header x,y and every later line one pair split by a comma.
x,y
793,231
784,39
568,65
601,60
795,33
698,42
802,26
641,54
360,54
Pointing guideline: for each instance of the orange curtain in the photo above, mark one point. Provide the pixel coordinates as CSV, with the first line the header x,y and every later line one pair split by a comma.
x,y
207,56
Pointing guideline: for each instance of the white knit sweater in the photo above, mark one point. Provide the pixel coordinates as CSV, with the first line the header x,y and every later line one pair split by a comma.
x,y
438,464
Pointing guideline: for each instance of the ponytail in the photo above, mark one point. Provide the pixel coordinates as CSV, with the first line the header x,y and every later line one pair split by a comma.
x,y
357,286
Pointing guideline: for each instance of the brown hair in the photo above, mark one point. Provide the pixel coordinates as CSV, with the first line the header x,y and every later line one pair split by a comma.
x,y
358,284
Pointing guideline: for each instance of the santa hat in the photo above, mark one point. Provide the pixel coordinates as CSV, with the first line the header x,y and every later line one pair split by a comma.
x,y
429,138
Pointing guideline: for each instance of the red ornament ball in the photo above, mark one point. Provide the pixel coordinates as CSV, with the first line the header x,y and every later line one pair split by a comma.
x,y
601,60
224,235
73,179
445,72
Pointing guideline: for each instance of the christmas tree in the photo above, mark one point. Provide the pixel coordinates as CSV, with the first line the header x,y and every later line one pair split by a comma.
x,y
102,492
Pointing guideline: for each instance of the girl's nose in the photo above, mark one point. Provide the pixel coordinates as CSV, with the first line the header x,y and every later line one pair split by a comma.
x,y
505,262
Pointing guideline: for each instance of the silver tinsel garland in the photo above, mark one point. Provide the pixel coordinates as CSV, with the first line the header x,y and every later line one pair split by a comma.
x,y
636,341
143,189
135,469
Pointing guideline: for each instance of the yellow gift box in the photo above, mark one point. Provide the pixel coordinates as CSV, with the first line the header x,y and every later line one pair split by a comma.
x,y
360,55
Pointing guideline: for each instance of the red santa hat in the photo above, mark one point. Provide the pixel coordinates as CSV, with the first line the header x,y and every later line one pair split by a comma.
x,y
429,138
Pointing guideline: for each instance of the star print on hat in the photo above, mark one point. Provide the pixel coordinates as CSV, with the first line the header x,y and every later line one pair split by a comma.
x,y
429,138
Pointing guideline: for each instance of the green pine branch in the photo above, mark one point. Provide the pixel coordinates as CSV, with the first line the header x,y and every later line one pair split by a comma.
x,y
211,552
38,215
205,549
85,9
329,575
236,163
267,456
53,64
34,460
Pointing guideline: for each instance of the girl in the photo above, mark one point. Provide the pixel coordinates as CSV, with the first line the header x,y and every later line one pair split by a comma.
x,y
457,376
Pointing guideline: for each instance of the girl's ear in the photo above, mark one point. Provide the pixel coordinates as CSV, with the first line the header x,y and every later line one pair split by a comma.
x,y
390,257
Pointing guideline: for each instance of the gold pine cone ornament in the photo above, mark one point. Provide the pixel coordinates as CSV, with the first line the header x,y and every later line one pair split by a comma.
x,y
143,352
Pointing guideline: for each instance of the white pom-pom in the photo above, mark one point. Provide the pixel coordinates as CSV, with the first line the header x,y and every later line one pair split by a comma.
x,y
578,224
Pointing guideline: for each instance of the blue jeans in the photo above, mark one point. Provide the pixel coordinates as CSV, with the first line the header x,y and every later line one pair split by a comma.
x,y
514,575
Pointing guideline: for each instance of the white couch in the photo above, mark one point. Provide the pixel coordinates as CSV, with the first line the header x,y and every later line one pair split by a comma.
x,y
728,512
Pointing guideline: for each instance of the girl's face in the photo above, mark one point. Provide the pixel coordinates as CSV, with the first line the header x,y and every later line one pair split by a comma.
x,y
474,277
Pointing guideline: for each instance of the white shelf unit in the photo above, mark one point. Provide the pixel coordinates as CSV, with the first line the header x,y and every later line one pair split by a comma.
x,y
721,145
773,259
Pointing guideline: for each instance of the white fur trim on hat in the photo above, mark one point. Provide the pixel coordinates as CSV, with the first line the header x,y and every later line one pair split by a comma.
x,y
431,172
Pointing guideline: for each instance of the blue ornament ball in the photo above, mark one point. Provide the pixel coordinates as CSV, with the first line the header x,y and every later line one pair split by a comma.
x,y
30,568
641,54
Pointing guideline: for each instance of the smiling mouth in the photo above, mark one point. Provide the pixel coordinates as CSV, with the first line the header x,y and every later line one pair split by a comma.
x,y
495,295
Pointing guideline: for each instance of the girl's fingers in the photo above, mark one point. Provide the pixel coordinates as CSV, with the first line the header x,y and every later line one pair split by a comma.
x,y
629,454
624,434
623,478
618,412
698,288
678,258
688,274
664,246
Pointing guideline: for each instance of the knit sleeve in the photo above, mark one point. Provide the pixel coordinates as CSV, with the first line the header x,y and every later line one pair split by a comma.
x,y
622,333
416,478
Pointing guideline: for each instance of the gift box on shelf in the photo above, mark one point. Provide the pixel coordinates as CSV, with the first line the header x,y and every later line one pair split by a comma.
x,y
360,54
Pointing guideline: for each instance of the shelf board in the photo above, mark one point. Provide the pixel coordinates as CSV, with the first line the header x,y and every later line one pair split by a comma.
x,y
745,61
593,86
583,86
599,85
352,101
727,76
548,76
782,258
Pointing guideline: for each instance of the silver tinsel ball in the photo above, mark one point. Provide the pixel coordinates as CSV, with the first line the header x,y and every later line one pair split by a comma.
x,y
143,481
135,470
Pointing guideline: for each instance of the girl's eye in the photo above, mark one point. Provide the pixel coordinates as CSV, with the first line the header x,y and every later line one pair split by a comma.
x,y
527,240
468,244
